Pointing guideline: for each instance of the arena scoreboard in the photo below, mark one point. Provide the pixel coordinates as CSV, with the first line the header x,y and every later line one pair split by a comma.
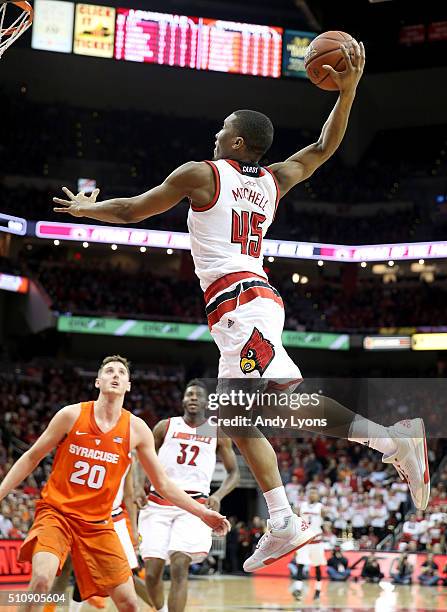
x,y
197,42
128,34
156,38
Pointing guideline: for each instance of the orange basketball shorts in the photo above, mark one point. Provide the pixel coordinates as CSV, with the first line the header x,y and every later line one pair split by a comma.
x,y
98,558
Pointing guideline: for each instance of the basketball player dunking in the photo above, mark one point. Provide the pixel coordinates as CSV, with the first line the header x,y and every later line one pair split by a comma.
x,y
188,453
94,442
233,203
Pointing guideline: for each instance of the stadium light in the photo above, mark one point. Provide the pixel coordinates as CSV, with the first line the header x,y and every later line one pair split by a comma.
x,y
295,278
113,247
56,242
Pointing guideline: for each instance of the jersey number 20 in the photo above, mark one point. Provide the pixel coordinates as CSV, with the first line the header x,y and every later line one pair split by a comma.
x,y
95,478
246,230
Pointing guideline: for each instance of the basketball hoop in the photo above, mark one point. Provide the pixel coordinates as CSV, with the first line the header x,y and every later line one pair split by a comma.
x,y
10,33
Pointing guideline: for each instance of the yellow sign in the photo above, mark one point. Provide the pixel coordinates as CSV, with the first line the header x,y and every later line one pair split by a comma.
x,y
397,331
429,342
94,30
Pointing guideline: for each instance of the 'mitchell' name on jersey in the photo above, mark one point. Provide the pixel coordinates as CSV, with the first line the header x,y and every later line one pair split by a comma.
x,y
227,234
188,458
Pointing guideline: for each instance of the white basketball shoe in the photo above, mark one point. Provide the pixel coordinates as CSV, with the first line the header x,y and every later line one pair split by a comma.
x,y
278,543
411,459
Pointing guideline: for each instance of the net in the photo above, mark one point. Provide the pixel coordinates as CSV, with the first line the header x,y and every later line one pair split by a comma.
x,y
13,25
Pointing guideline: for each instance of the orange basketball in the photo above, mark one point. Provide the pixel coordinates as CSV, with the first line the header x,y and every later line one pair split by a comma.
x,y
326,49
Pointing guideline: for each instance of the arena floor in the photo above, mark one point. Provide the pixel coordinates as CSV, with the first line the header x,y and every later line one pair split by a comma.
x,y
227,593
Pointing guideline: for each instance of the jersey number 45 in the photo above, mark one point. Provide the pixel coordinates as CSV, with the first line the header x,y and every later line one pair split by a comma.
x,y
246,230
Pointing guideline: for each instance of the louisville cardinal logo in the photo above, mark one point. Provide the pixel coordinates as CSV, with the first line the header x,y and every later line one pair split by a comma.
x,y
257,353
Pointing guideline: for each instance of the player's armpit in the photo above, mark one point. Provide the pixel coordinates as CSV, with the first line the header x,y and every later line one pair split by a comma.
x,y
298,167
57,429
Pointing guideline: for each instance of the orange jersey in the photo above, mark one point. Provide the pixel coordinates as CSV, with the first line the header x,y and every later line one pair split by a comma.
x,y
88,467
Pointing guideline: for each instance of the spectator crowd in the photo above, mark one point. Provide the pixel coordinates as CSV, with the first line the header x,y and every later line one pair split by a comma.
x,y
82,285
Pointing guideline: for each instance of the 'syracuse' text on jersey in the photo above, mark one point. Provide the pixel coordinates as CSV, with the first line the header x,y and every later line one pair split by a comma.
x,y
88,467
227,234
188,457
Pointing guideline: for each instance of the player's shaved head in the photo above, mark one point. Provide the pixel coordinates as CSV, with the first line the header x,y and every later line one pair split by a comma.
x,y
256,129
196,382
115,358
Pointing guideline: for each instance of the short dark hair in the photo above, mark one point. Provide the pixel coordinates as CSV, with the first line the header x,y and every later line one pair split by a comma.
x,y
118,358
256,129
196,382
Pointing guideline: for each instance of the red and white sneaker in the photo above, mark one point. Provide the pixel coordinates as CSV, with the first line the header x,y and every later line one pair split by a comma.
x,y
411,459
278,543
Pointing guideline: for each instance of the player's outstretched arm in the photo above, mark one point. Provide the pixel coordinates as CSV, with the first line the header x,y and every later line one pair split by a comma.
x,y
303,164
226,453
144,444
58,427
191,180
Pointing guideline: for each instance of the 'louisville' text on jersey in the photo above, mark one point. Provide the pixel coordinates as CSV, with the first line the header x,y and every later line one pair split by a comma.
x,y
255,197
93,453
188,436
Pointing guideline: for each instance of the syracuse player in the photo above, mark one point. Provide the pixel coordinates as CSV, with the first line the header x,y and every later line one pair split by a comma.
x,y
95,440
233,203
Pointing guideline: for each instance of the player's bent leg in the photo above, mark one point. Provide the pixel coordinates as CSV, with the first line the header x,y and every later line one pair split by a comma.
x,y
178,592
124,596
262,461
411,459
44,569
61,583
287,532
154,581
140,588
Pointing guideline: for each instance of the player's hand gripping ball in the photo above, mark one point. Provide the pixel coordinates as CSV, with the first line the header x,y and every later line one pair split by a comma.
x,y
335,60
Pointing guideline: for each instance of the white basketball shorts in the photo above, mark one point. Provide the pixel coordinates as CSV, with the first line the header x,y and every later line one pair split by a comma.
x,y
311,554
246,320
165,530
122,528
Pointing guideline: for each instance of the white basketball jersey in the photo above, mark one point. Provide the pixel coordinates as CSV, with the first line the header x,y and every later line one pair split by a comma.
x,y
312,514
226,236
188,457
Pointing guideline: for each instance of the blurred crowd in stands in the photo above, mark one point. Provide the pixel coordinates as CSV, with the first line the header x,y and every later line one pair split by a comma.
x,y
92,286
364,503
128,152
